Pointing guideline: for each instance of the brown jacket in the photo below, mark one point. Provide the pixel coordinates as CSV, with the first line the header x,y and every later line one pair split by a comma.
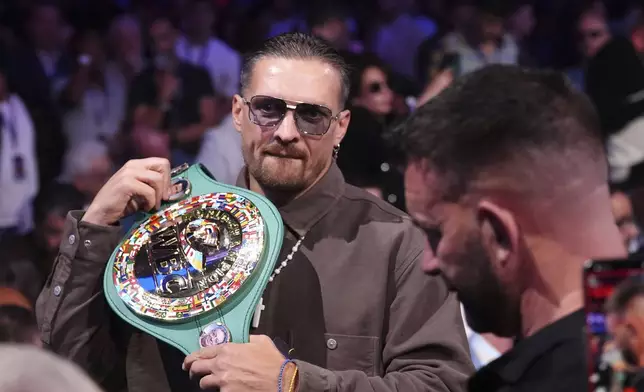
x,y
387,327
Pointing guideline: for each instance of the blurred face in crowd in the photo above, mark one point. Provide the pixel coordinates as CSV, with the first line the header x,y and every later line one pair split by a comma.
x,y
126,42
199,20
464,248
625,219
46,28
163,36
92,181
463,17
593,32
491,27
279,154
375,94
50,231
629,331
334,31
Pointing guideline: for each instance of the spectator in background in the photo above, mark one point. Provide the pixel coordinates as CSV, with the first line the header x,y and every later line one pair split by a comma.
x,y
51,208
615,83
126,52
520,25
17,318
364,157
625,220
93,103
283,17
199,47
221,151
398,36
18,164
27,369
172,102
32,71
594,33
485,41
329,22
87,168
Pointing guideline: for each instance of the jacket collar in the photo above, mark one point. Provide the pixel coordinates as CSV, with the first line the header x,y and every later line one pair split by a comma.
x,y
305,211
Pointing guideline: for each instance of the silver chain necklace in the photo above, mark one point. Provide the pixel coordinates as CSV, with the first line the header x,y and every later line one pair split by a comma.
x,y
260,306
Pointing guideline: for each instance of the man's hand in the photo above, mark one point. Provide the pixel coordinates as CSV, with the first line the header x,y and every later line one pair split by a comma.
x,y
139,184
233,367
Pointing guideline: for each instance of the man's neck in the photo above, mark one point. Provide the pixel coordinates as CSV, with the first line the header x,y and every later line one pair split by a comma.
x,y
278,197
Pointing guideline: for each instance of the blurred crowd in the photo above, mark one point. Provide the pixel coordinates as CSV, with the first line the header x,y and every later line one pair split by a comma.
x,y
86,85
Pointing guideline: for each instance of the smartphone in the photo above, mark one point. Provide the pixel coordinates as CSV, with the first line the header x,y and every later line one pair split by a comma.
x,y
450,61
608,370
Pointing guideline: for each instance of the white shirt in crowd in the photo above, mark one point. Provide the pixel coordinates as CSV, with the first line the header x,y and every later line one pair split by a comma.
x,y
221,152
18,166
221,61
481,351
100,111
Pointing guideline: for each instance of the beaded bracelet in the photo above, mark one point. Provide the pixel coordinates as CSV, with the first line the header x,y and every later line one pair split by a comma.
x,y
281,376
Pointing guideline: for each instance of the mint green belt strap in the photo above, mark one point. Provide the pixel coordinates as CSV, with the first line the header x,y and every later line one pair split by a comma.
x,y
193,273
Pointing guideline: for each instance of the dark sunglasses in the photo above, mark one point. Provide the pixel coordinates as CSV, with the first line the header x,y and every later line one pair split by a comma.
x,y
592,34
310,119
375,87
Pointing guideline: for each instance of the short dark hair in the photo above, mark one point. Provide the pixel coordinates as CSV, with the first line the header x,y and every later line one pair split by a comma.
x,y
504,118
297,46
57,198
623,294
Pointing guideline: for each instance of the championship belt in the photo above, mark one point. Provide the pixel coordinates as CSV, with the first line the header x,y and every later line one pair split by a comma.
x,y
192,274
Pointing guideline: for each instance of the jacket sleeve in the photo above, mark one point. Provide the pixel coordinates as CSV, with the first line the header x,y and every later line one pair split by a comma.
x,y
73,318
425,347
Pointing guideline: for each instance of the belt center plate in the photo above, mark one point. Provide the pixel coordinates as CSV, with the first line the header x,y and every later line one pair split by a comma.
x,y
189,258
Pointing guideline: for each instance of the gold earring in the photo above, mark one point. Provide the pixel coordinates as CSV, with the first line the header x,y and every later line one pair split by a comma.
x,y
336,151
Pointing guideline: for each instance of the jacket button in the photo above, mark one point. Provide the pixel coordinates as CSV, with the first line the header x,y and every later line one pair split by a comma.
x,y
88,243
72,239
331,344
57,290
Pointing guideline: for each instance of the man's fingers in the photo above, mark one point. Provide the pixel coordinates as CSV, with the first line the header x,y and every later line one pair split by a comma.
x,y
156,180
211,381
143,194
200,368
159,165
205,353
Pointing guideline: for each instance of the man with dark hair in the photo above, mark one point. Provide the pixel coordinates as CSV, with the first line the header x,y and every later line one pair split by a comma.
x,y
349,303
506,175
171,102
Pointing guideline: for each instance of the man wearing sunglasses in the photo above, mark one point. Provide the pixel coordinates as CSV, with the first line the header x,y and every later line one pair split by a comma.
x,y
349,303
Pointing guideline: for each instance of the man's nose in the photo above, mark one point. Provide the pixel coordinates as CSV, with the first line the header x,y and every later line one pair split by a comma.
x,y
287,130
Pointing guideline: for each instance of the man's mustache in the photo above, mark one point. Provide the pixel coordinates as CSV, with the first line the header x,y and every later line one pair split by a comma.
x,y
286,151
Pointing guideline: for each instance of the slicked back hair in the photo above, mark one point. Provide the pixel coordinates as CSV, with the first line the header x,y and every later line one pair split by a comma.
x,y
523,122
297,46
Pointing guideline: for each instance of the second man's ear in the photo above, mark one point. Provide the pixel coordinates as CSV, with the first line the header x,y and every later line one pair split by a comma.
x,y
502,225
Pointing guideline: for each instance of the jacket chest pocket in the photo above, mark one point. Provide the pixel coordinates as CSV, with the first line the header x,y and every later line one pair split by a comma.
x,y
348,352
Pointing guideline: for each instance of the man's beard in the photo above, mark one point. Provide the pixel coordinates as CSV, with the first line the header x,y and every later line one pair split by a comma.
x,y
488,307
282,169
